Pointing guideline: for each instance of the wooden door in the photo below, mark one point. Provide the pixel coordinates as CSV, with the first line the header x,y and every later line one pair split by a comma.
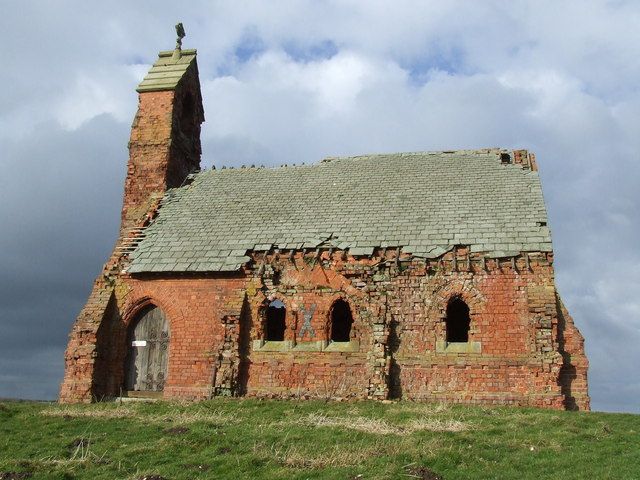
x,y
148,351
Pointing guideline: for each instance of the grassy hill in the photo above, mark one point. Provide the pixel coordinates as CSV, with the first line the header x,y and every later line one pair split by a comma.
x,y
238,439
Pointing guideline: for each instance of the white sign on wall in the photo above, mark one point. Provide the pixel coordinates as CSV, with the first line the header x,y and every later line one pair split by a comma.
x,y
139,343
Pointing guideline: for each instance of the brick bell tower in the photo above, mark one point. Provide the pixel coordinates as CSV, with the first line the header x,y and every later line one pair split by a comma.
x,y
165,136
164,148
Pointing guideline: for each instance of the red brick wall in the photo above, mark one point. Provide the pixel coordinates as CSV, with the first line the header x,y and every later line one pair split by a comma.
x,y
500,321
573,375
530,351
331,375
78,383
194,308
310,373
149,148
514,317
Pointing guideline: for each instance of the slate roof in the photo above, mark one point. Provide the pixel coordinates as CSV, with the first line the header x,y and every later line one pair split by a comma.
x,y
424,202
167,71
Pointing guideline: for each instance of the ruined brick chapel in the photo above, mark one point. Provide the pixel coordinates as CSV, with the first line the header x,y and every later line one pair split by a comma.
x,y
421,276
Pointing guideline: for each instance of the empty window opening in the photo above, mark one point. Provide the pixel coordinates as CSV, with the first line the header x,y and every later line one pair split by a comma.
x,y
341,321
187,118
458,321
275,327
505,158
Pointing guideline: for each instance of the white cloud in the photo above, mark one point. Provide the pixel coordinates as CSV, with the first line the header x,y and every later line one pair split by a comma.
x,y
96,93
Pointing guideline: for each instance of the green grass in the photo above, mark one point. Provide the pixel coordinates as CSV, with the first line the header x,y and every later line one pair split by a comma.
x,y
247,438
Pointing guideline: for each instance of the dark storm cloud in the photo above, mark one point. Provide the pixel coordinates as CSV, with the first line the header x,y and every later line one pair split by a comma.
x,y
305,81
60,218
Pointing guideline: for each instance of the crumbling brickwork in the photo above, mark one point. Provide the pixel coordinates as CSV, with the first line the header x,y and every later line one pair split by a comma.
x,y
518,344
524,349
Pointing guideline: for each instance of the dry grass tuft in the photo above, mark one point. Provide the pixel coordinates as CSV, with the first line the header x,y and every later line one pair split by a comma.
x,y
362,424
421,408
381,427
81,454
336,456
195,416
435,425
77,411
126,411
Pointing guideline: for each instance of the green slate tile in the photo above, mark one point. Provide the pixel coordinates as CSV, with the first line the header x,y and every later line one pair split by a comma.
x,y
428,202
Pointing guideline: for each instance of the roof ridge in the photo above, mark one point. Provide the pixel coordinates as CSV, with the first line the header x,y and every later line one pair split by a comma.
x,y
477,151
467,152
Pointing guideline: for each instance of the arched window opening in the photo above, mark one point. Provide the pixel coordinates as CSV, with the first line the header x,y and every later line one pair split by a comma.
x,y
275,324
457,321
341,321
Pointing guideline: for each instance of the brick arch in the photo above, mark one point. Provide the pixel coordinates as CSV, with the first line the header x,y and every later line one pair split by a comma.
x,y
333,299
132,308
442,295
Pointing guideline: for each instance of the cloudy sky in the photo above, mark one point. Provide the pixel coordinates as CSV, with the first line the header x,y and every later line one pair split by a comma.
x,y
295,81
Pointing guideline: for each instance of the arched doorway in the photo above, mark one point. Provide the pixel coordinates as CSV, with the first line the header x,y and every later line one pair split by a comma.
x,y
148,349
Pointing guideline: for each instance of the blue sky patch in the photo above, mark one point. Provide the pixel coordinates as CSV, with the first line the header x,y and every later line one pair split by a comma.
x,y
250,45
309,53
450,61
